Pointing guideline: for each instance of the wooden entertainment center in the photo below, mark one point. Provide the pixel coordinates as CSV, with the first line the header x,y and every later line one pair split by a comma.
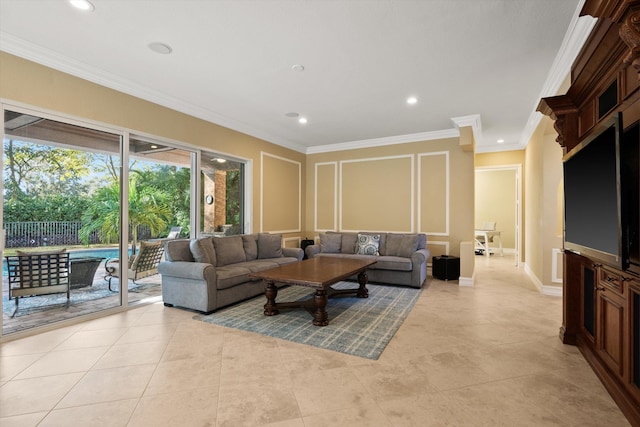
x,y
601,302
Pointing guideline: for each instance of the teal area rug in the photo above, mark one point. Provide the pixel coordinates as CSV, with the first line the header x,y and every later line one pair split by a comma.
x,y
358,326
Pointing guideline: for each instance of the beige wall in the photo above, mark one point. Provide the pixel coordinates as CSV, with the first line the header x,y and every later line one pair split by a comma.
x,y
496,202
543,162
399,188
43,88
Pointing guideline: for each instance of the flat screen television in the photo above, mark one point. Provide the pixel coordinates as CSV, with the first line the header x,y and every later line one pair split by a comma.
x,y
592,197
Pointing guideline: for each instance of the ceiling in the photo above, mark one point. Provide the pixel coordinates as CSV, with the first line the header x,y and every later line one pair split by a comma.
x,y
479,63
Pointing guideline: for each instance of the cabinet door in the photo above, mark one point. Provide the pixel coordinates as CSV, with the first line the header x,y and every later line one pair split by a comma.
x,y
634,365
610,332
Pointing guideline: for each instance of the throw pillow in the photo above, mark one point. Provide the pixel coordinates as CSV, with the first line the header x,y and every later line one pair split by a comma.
x,y
269,246
368,244
250,243
330,243
202,250
229,250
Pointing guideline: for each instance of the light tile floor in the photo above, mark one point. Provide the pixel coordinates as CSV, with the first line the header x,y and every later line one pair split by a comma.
x,y
483,356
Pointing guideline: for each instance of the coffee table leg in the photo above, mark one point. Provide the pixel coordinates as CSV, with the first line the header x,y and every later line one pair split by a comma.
x,y
320,316
363,292
271,291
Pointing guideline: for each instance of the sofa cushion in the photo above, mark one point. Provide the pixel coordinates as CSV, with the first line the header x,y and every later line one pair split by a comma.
x,y
250,243
269,245
259,265
386,262
349,243
178,250
203,251
402,245
229,250
368,244
393,244
330,243
231,275
408,246
352,256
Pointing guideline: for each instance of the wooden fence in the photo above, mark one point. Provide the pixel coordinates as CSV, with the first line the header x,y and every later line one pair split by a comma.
x,y
51,233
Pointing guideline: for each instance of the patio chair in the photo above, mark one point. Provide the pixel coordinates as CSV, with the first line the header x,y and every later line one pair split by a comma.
x,y
141,265
174,233
37,273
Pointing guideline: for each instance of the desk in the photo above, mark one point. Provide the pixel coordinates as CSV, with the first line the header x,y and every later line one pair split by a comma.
x,y
487,235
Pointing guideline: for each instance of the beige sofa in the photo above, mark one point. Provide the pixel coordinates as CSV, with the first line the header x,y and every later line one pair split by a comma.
x,y
211,272
401,258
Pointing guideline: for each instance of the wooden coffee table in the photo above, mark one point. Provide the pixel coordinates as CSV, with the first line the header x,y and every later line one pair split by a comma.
x,y
318,273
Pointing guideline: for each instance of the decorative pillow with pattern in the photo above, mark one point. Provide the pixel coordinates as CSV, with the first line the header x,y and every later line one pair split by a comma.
x,y
368,244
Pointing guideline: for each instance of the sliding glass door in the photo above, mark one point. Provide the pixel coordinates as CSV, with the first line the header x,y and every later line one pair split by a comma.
x,y
54,173
68,188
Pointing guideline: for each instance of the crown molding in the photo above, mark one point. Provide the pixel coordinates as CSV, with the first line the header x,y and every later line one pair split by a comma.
x,y
577,33
391,140
474,122
32,52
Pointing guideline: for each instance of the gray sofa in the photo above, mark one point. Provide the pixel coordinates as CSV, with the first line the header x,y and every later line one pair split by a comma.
x,y
211,272
401,258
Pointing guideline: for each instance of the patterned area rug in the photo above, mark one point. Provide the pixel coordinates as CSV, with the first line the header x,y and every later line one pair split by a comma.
x,y
358,326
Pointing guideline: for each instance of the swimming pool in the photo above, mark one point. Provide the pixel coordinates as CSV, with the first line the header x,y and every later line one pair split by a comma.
x,y
80,253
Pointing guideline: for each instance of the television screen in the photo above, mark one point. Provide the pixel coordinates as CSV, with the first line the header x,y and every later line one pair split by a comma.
x,y
630,195
592,196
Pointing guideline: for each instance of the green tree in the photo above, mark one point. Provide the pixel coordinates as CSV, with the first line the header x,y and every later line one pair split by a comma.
x,y
175,182
37,170
147,207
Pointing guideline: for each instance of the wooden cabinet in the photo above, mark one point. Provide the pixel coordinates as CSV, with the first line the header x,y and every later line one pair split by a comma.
x,y
610,319
607,326
601,304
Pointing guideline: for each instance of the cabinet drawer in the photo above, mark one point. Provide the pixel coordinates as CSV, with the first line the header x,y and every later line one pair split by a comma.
x,y
611,280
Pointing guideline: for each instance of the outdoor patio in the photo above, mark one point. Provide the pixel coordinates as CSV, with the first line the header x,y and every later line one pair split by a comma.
x,y
45,309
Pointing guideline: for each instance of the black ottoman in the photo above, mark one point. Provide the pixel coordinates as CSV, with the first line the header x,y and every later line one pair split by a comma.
x,y
446,267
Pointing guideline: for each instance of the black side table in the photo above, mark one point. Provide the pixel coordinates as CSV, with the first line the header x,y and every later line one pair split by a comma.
x,y
446,267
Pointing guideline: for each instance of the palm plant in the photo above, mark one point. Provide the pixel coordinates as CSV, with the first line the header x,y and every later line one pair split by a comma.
x,y
147,207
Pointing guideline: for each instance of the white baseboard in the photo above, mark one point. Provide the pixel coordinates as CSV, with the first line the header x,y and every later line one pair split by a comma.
x,y
466,281
545,290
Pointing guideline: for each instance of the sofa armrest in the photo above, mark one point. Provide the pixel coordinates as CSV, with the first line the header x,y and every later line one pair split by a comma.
x,y
293,252
186,269
312,250
419,261
420,256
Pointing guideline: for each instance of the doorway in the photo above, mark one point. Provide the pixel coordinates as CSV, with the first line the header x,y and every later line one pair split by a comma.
x,y
498,196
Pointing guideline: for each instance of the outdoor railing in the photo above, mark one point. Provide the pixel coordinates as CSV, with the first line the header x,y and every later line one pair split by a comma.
x,y
51,233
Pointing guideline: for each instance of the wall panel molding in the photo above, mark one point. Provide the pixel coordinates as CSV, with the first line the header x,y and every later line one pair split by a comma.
x,y
316,207
434,193
382,177
279,209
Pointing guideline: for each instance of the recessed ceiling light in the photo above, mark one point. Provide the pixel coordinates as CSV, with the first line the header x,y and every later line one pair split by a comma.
x,y
297,67
219,160
82,5
500,141
154,146
161,48
292,114
412,100
302,120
